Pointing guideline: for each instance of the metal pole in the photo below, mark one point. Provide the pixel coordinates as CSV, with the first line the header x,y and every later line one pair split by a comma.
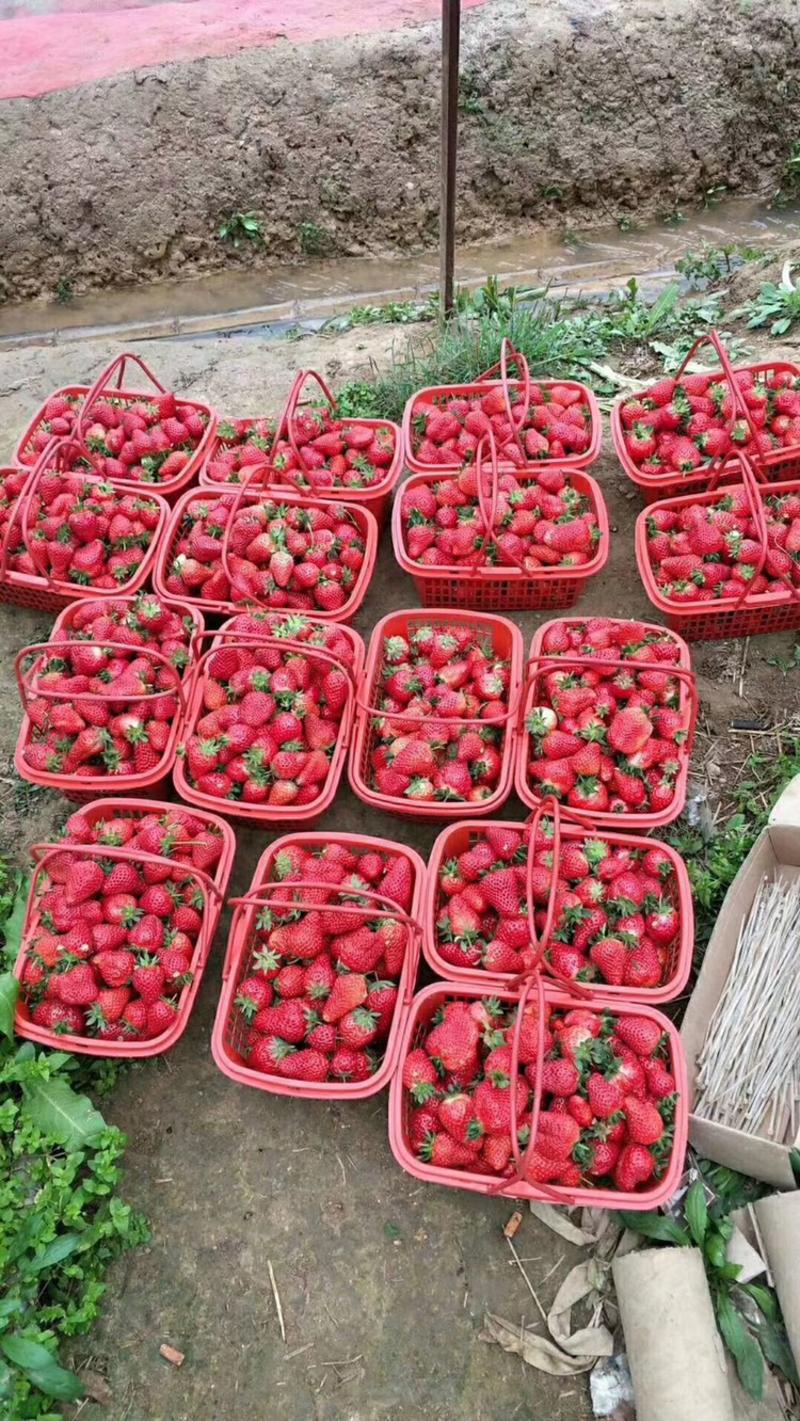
x,y
451,29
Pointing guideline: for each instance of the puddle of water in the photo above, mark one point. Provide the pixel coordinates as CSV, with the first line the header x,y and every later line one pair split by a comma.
x,y
592,262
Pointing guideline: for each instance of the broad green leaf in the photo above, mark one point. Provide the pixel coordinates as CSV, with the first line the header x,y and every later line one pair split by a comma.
x,y
749,1361
24,1352
41,1368
656,1226
56,1381
55,1252
9,991
11,929
776,1350
8,1306
763,1298
57,1110
696,1211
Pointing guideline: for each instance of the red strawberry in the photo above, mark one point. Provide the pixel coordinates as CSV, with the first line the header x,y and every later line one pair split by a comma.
x,y
634,1167
349,991
645,1125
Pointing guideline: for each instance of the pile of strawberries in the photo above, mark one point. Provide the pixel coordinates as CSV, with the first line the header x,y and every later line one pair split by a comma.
x,y
147,441
541,521
334,453
141,621
267,725
608,1095
430,684
446,429
83,532
320,989
294,626
616,918
240,446
709,552
679,426
305,557
605,738
114,941
112,714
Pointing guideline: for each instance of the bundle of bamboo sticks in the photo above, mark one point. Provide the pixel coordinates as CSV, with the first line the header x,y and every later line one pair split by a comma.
x,y
749,1066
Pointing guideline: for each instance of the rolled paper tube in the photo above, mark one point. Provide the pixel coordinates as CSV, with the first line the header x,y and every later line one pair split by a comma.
x,y
675,1353
779,1226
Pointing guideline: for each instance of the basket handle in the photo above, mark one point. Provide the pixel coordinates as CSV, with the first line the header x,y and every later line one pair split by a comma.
x,y
540,944
293,401
542,664
753,491
43,853
117,367
717,465
509,352
521,1158
51,459
24,678
33,472
488,511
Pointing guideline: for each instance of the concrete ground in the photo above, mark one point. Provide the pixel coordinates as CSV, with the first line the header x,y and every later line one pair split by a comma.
x,y
383,1281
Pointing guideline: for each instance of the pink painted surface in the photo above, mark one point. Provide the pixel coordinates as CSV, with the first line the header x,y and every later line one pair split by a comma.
x,y
58,44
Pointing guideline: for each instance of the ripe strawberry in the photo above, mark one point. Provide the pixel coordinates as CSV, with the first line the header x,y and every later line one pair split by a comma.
x,y
644,1122
635,1166
77,986
641,1033
420,1076
349,991
453,1041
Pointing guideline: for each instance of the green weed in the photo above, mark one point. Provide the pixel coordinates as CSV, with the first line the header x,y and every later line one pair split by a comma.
x,y
62,1221
314,240
64,291
238,227
774,306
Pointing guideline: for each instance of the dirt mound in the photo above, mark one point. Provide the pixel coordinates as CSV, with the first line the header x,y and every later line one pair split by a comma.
x,y
573,114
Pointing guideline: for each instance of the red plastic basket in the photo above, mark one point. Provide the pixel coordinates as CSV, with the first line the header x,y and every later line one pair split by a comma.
x,y
540,663
457,838
502,589
423,1007
521,388
777,464
81,787
264,813
232,501
506,642
108,385
213,891
375,497
46,593
751,615
227,1039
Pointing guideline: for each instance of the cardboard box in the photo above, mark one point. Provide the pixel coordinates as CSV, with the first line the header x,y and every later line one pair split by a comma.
x,y
776,851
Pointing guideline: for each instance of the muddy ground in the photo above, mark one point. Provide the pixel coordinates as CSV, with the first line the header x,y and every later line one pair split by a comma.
x,y
573,114
386,1278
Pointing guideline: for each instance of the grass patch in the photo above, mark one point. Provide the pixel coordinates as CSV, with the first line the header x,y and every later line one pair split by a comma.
x,y
557,337
62,1221
714,863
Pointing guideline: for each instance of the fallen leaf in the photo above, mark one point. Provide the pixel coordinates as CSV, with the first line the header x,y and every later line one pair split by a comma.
x,y
536,1351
